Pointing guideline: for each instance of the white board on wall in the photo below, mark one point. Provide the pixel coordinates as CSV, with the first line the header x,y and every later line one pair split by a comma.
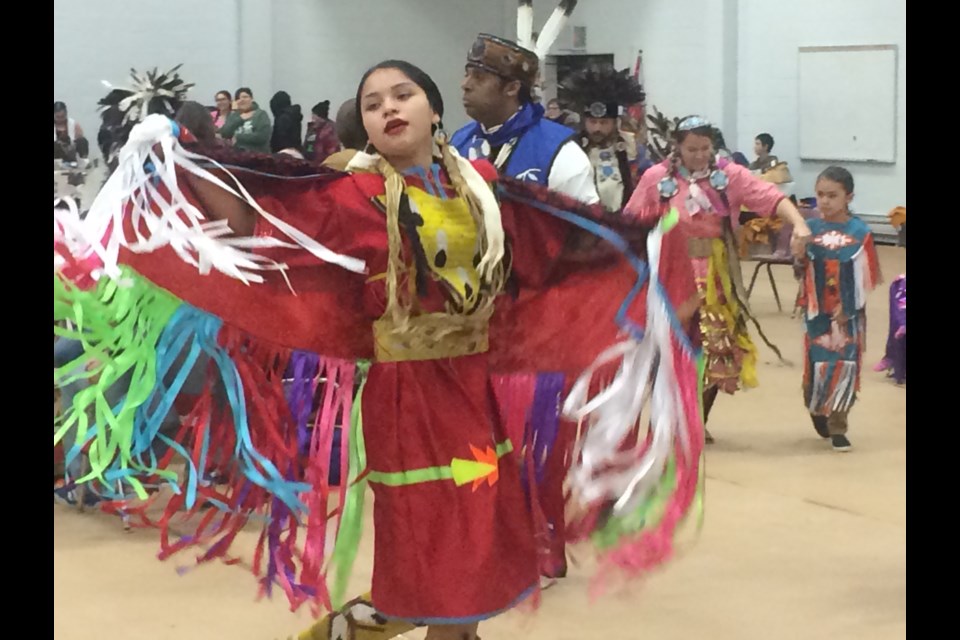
x,y
848,103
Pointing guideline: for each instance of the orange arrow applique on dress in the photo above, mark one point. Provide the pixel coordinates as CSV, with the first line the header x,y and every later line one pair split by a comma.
x,y
482,467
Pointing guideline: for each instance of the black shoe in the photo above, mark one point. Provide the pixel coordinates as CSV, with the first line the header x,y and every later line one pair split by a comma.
x,y
820,424
841,444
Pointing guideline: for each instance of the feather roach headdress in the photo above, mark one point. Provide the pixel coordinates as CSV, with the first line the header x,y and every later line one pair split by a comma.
x,y
600,90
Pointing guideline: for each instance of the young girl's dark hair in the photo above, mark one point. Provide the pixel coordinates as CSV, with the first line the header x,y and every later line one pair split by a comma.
x,y
839,175
246,90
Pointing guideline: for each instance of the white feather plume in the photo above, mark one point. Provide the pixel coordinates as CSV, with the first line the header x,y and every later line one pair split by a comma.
x,y
525,24
554,26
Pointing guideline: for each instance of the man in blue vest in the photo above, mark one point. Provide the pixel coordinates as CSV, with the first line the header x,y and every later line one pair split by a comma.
x,y
513,133
510,129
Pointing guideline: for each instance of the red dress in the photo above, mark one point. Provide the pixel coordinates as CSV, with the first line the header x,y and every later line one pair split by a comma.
x,y
454,526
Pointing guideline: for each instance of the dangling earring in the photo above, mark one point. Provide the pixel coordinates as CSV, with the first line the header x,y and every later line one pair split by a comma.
x,y
440,136
440,140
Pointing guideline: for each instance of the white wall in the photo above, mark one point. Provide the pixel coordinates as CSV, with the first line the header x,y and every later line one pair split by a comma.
x,y
313,49
687,49
256,36
322,48
770,35
103,39
733,61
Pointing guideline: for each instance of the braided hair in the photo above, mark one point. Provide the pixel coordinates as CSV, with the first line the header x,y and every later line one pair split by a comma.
x,y
456,169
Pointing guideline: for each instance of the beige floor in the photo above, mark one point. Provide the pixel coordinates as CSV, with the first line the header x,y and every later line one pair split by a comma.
x,y
798,543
